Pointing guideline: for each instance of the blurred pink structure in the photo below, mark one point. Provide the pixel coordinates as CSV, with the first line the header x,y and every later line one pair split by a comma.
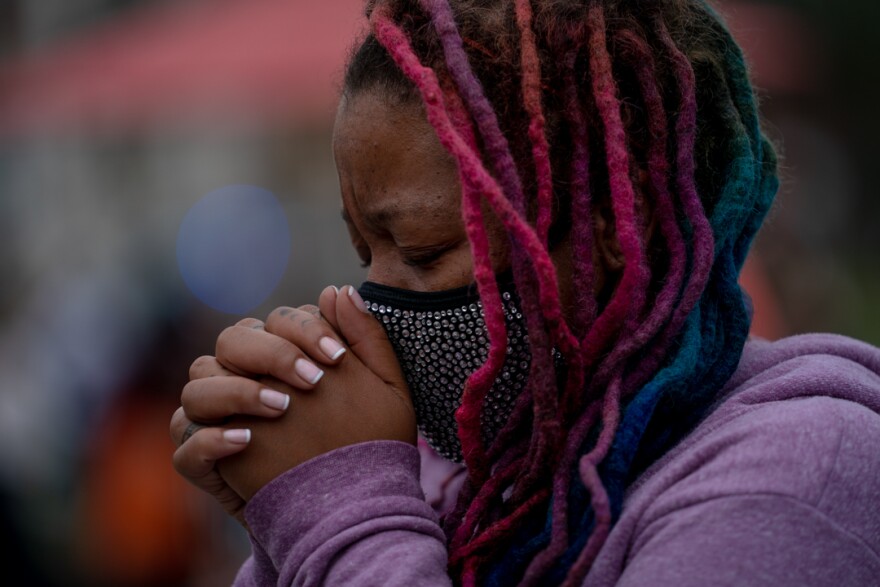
x,y
280,61
266,59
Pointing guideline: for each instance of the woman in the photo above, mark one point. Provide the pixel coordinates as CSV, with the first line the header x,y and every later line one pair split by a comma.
x,y
554,200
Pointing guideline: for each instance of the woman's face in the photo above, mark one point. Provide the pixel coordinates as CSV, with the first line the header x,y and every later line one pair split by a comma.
x,y
401,198
401,202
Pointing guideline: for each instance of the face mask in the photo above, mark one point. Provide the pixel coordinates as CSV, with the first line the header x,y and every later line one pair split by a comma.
x,y
440,339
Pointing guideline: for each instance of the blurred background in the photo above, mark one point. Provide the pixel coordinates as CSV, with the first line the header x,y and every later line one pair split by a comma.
x,y
117,117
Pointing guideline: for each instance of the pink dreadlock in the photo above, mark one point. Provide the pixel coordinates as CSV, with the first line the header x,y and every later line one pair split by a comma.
x,y
552,111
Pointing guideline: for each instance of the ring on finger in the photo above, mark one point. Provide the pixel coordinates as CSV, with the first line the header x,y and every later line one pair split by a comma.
x,y
190,430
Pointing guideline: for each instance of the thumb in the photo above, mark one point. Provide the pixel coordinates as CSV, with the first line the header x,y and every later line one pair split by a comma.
x,y
366,337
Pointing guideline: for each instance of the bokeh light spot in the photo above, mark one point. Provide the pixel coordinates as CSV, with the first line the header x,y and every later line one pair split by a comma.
x,y
233,246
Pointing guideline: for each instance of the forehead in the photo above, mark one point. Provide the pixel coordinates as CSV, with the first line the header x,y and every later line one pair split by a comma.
x,y
390,161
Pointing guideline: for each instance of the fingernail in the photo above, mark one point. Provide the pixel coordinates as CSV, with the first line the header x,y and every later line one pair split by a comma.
x,y
331,348
238,435
274,399
308,371
336,289
358,300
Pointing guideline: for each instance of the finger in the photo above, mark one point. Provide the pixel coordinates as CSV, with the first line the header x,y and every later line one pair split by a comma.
x,y
179,422
254,324
213,399
195,458
366,337
304,328
195,461
232,502
190,430
327,305
251,323
258,352
207,366
180,425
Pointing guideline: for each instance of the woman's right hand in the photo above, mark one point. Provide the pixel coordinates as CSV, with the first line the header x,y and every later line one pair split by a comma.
x,y
218,390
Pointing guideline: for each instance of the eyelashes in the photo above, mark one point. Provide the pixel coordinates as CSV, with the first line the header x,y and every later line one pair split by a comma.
x,y
425,256
419,257
425,260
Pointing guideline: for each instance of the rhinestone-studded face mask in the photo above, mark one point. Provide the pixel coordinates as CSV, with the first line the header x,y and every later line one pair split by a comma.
x,y
440,339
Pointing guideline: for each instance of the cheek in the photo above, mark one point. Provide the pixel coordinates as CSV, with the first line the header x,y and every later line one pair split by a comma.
x,y
457,268
499,241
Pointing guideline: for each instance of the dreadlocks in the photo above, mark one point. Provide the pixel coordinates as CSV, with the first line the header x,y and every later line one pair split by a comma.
x,y
551,109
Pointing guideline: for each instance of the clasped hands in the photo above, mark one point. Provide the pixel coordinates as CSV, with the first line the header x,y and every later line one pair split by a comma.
x,y
336,366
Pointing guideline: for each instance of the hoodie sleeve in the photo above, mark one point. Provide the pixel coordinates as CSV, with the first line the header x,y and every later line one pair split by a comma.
x,y
354,516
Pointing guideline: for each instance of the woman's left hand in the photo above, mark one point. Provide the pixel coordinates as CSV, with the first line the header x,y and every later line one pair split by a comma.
x,y
364,397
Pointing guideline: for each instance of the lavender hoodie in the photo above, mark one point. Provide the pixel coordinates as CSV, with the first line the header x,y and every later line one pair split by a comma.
x,y
778,486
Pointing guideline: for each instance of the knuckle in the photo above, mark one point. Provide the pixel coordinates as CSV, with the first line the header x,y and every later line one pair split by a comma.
x,y
188,395
314,326
316,321
178,460
242,396
200,366
277,315
281,311
174,427
284,355
223,340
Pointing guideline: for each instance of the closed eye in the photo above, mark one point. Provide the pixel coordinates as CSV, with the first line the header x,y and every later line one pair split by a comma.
x,y
425,256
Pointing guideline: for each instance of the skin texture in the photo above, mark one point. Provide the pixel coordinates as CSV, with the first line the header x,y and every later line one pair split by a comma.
x,y
364,397
401,203
401,197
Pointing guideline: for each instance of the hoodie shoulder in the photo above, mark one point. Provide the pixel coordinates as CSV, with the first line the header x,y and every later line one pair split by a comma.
x,y
782,476
800,418
809,365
